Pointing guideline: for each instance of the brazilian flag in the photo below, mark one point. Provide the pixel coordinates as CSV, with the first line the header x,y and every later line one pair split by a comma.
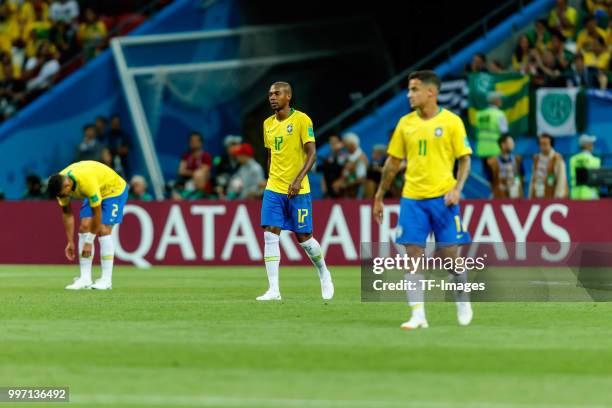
x,y
515,101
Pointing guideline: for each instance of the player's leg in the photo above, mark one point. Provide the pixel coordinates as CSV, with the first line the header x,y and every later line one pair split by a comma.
x,y
301,224
272,220
112,213
413,229
449,233
84,281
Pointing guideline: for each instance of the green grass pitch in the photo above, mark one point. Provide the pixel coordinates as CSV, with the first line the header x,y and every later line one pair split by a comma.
x,y
195,337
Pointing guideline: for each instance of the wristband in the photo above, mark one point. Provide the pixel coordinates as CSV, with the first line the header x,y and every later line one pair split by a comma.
x,y
89,238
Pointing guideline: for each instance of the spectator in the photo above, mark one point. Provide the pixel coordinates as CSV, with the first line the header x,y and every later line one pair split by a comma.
x,y
92,34
226,165
90,148
40,23
539,36
116,139
587,37
101,127
247,182
332,166
352,182
584,160
34,188
42,69
491,124
548,178
496,67
580,75
478,64
522,52
564,19
64,11
563,57
379,155
506,172
114,163
549,71
11,92
197,190
598,61
196,159
600,56
64,36
138,189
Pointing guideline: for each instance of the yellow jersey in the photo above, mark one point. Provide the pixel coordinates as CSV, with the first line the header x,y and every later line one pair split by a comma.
x,y
94,181
286,140
430,148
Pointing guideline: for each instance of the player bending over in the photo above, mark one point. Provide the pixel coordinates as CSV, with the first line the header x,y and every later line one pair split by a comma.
x,y
104,194
290,143
430,139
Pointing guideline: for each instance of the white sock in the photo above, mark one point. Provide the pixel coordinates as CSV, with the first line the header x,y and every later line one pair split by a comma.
x,y
460,296
313,250
272,258
416,298
107,254
85,263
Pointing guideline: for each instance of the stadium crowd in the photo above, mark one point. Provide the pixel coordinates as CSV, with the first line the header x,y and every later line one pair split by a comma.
x,y
566,48
42,41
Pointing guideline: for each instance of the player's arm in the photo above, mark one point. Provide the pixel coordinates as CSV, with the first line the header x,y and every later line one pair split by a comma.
x,y
311,156
463,171
68,221
183,170
389,171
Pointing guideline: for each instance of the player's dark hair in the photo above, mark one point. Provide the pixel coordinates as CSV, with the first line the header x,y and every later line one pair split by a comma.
x,y
426,77
88,126
285,85
502,139
549,137
197,134
54,185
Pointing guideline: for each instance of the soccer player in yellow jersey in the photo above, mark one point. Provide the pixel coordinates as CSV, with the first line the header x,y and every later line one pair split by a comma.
x,y
431,139
290,144
104,194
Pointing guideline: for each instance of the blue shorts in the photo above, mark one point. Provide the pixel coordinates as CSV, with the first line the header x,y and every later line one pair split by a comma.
x,y
418,218
112,208
293,214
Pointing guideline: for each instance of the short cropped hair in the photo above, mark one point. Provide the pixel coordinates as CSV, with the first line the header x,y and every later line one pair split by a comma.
x,y
427,77
502,139
54,185
549,137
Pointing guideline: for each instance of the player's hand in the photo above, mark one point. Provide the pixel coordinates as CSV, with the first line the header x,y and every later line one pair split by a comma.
x,y
69,251
452,197
294,188
86,250
377,210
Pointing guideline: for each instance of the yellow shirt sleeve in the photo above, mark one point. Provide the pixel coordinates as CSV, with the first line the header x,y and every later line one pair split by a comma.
x,y
63,201
461,144
265,137
91,190
397,147
306,131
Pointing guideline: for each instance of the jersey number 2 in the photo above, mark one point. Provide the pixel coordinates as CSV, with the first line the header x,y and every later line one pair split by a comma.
x,y
115,210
